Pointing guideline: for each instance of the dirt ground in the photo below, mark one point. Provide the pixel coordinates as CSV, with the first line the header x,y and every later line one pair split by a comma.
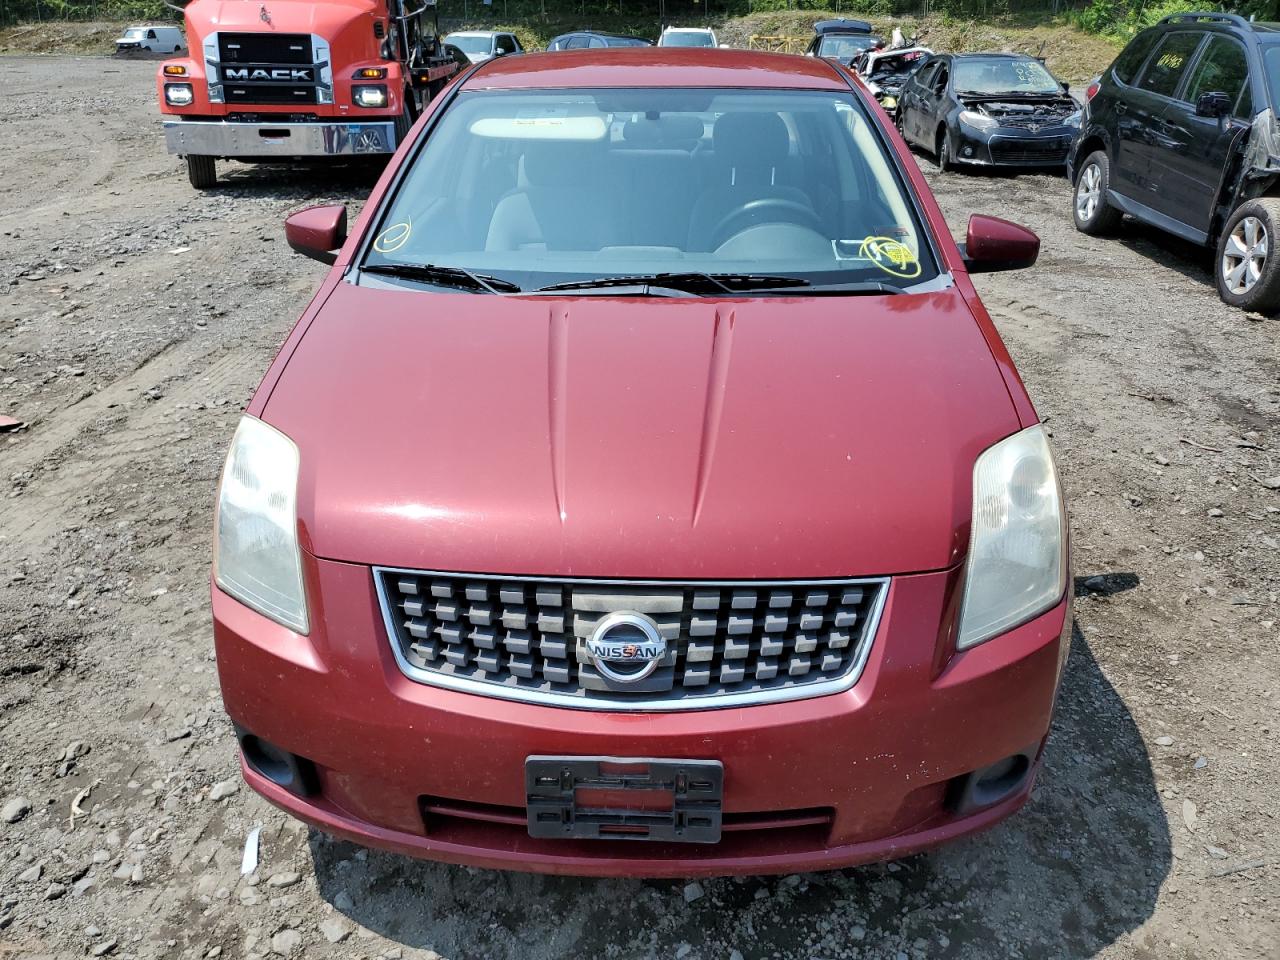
x,y
136,317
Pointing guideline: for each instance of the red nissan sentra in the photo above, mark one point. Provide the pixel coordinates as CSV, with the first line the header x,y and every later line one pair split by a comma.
x,y
646,491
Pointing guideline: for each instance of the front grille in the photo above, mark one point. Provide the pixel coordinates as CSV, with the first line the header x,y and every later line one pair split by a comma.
x,y
264,48
275,93
1049,150
272,118
728,643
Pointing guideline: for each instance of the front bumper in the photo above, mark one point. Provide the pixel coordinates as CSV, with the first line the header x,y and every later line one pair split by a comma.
x,y
219,138
1008,148
864,775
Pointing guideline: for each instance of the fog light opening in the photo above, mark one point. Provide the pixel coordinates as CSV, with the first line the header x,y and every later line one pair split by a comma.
x,y
992,784
293,773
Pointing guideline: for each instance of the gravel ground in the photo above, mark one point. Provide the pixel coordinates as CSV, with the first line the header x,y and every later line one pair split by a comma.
x,y
136,317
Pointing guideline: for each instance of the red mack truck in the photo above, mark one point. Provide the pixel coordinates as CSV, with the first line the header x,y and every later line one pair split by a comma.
x,y
281,80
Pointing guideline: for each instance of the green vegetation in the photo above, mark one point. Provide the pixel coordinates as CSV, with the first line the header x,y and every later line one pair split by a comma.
x,y
1114,17
1124,18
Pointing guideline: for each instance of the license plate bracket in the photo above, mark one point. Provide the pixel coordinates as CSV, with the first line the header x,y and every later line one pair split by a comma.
x,y
634,798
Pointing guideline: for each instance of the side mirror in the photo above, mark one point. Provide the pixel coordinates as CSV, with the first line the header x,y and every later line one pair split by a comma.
x,y
317,232
993,244
1213,105
1066,87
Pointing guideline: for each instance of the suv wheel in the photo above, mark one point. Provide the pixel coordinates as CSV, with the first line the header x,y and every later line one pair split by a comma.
x,y
1247,273
1089,207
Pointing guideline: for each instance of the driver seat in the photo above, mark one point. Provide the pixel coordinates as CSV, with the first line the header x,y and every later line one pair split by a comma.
x,y
751,154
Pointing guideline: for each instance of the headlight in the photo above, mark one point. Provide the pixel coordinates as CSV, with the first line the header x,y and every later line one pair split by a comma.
x,y
1017,550
1075,119
370,95
888,102
255,553
979,121
178,94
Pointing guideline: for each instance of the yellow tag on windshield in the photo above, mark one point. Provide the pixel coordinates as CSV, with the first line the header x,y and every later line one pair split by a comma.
x,y
891,256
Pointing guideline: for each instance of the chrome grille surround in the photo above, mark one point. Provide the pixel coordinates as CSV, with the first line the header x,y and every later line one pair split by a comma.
x,y
523,638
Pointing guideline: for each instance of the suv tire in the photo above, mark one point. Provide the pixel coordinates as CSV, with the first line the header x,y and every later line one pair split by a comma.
x,y
1089,207
1247,267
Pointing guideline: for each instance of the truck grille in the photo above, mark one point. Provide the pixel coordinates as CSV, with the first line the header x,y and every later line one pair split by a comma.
x,y
269,48
268,68
727,643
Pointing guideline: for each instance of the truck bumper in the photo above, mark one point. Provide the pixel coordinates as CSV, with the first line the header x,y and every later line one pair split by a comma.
x,y
217,138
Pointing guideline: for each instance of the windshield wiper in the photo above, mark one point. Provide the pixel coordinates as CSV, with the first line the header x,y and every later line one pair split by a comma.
x,y
443,276
692,284
868,288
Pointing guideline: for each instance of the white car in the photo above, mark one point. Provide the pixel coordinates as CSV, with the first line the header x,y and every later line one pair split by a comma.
x,y
482,45
688,37
153,39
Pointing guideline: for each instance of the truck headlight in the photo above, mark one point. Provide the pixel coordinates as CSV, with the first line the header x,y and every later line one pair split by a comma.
x,y
1017,549
178,94
255,553
369,95
979,121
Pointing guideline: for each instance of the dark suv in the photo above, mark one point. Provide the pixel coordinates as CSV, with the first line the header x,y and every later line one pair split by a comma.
x,y
1180,132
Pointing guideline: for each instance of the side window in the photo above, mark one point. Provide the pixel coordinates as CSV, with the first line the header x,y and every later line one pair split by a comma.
x,y
577,43
1168,64
506,44
151,34
1131,57
1222,68
939,84
597,42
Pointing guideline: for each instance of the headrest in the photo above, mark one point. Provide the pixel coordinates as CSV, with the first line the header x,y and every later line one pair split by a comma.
x,y
555,163
751,139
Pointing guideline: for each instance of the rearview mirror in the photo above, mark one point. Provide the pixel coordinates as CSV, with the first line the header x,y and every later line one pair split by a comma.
x,y
1213,105
993,244
317,232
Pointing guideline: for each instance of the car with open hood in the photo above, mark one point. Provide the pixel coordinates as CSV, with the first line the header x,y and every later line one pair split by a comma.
x,y
988,109
645,490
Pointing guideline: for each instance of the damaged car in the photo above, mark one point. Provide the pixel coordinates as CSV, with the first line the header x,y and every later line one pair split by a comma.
x,y
885,72
988,109
1180,133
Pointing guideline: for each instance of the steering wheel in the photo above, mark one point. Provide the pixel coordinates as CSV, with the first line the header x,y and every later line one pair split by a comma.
x,y
763,210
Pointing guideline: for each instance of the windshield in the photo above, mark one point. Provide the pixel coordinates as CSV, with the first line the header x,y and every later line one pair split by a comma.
x,y
470,44
987,76
133,33
1272,60
690,38
844,48
542,187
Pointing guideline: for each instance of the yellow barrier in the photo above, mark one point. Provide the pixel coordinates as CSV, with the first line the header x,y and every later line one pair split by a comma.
x,y
778,44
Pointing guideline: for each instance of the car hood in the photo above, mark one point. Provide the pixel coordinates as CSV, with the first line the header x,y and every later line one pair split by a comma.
x,y
320,16
612,437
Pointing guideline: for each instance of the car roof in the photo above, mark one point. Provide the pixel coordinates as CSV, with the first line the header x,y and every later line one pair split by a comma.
x,y
687,30
991,56
476,33
656,67
598,33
